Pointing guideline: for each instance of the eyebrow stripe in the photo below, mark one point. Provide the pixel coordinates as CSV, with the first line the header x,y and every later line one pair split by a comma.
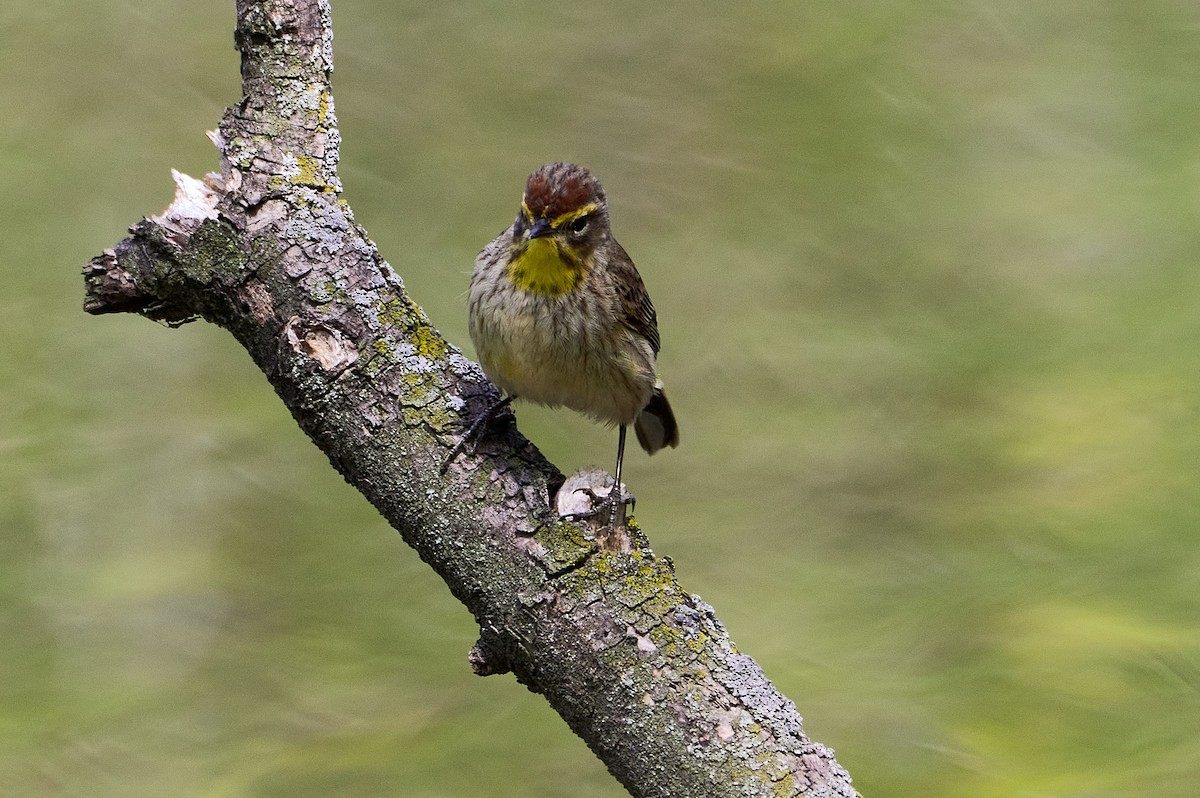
x,y
572,215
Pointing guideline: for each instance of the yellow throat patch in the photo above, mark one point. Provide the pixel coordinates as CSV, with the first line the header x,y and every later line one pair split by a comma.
x,y
543,269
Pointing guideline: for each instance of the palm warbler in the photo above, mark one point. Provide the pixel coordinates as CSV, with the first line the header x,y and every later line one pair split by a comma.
x,y
559,314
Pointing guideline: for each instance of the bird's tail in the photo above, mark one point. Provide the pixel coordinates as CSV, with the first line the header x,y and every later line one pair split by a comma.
x,y
655,425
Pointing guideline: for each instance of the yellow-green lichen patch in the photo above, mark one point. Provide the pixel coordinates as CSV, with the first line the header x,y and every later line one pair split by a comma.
x,y
377,357
632,579
306,171
299,170
668,639
428,343
415,384
323,104
420,395
644,578
566,546
655,608
412,416
439,419
675,641
397,314
606,563
696,642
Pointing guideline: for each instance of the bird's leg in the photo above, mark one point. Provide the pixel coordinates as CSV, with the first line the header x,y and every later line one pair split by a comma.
x,y
480,423
602,504
616,495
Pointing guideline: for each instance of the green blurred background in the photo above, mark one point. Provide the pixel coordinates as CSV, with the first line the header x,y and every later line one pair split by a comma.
x,y
926,279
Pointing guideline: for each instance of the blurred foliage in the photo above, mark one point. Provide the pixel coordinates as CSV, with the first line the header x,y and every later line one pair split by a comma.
x,y
926,278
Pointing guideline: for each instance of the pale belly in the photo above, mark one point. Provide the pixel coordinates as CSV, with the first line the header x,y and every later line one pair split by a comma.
x,y
555,360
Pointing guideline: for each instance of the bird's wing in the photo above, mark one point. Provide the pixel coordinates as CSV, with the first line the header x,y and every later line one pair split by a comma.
x,y
637,312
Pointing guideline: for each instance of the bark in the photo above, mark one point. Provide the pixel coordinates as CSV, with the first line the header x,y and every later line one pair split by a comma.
x,y
641,670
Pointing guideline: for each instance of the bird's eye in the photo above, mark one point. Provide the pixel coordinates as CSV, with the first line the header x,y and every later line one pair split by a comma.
x,y
578,225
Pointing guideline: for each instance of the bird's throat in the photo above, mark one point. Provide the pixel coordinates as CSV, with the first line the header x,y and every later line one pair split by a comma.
x,y
543,269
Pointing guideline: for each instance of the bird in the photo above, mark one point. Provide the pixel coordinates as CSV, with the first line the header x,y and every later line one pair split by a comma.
x,y
559,315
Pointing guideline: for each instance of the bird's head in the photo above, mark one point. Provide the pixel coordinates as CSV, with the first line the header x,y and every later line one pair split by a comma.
x,y
562,221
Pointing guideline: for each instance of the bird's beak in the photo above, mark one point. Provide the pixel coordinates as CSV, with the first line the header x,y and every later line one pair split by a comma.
x,y
540,229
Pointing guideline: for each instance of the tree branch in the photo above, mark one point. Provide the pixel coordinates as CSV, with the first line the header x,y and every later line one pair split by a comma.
x,y
640,669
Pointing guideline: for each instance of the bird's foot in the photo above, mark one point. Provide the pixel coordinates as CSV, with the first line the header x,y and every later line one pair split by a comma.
x,y
593,496
476,428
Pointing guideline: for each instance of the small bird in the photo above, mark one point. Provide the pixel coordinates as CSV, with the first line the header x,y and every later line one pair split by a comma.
x,y
559,315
